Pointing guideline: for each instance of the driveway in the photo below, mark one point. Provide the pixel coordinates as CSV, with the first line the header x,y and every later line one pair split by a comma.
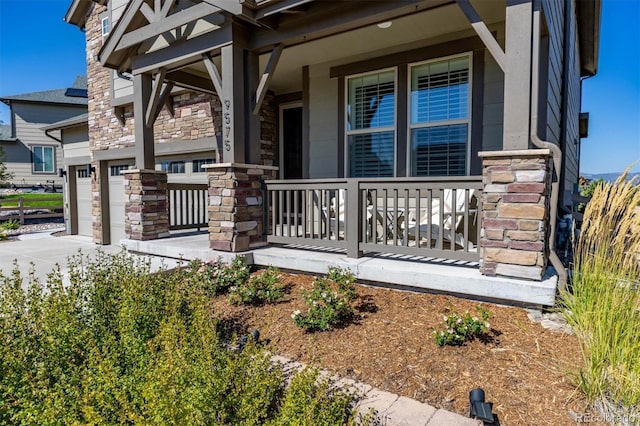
x,y
46,251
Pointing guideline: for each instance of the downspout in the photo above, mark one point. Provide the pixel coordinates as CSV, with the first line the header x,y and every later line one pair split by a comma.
x,y
539,143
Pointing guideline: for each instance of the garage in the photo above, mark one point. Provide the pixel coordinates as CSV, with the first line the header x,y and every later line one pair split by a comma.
x,y
117,201
83,202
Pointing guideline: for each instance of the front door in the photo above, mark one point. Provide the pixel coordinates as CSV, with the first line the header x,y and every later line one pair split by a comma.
x,y
291,141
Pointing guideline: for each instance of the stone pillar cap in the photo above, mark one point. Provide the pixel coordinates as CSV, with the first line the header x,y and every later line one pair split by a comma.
x,y
238,166
516,153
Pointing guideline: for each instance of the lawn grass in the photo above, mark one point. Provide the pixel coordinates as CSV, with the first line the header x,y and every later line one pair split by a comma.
x,y
46,200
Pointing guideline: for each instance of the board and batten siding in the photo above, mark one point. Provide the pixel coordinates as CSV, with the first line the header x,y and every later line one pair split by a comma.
x,y
29,120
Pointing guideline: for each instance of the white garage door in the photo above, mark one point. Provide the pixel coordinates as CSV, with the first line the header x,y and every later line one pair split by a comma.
x,y
83,202
117,202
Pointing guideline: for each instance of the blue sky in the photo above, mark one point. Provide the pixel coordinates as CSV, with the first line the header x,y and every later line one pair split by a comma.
x,y
39,51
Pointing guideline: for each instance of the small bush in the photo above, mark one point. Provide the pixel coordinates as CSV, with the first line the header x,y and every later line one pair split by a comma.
x,y
328,303
10,225
313,400
461,328
259,289
217,277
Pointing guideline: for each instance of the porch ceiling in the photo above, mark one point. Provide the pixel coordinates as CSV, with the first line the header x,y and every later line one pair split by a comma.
x,y
409,32
291,22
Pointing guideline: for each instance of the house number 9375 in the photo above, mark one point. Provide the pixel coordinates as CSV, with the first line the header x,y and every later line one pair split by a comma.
x,y
227,124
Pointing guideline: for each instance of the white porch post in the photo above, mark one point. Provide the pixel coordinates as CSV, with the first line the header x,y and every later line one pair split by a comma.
x,y
517,78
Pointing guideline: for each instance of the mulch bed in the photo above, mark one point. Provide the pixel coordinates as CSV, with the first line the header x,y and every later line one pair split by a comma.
x,y
521,366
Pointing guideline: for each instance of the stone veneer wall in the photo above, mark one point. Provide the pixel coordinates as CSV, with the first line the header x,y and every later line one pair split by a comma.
x,y
236,205
515,213
147,211
196,116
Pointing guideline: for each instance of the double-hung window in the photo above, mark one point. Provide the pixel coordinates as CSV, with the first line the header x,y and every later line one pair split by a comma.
x,y
44,159
440,117
371,124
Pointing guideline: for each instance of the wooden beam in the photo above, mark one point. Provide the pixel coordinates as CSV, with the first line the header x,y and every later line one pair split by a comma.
x,y
116,33
191,81
154,99
178,19
183,52
236,8
483,32
280,7
144,144
335,18
148,13
166,7
164,100
214,75
267,75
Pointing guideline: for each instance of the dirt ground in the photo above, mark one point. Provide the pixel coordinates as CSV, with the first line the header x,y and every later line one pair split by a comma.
x,y
522,367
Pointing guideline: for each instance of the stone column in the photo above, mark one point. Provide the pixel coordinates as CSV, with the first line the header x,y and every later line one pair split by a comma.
x,y
236,205
515,212
147,211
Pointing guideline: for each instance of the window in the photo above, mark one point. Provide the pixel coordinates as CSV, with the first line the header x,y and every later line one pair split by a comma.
x,y
117,170
371,111
439,117
44,159
105,26
172,166
196,165
83,172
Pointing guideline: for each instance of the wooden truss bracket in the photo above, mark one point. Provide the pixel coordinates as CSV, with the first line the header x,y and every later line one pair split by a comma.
x,y
483,32
269,69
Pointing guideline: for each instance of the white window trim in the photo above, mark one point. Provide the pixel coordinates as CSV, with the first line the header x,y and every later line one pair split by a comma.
x,y
440,123
393,128
33,160
102,20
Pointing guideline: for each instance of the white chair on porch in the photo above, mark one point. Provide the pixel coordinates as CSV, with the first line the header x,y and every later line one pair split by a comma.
x,y
450,231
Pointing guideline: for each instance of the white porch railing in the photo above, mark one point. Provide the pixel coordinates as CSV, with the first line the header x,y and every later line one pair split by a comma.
x,y
188,205
431,217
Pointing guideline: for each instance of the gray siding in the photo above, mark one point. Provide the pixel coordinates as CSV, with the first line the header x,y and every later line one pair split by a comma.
x,y
554,14
563,91
29,120
493,101
573,99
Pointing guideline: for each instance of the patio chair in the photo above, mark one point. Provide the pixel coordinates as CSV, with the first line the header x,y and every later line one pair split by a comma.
x,y
452,233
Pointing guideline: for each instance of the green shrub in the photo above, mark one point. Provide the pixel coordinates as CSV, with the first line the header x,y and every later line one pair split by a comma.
x,y
460,328
10,225
312,400
259,289
217,277
602,303
328,302
121,345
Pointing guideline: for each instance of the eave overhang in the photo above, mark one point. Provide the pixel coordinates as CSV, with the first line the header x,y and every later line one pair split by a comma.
x,y
79,10
588,13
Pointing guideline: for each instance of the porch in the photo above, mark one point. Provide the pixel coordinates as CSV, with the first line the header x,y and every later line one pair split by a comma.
x,y
418,233
415,273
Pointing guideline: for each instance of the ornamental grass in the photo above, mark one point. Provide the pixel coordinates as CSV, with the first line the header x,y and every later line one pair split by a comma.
x,y
603,302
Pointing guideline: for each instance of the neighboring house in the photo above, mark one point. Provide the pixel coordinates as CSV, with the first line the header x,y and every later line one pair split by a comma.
x,y
405,125
33,155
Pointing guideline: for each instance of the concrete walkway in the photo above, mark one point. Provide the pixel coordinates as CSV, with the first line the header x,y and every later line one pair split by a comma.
x,y
45,252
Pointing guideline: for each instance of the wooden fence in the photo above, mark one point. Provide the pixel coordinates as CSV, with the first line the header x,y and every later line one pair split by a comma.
x,y
31,212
